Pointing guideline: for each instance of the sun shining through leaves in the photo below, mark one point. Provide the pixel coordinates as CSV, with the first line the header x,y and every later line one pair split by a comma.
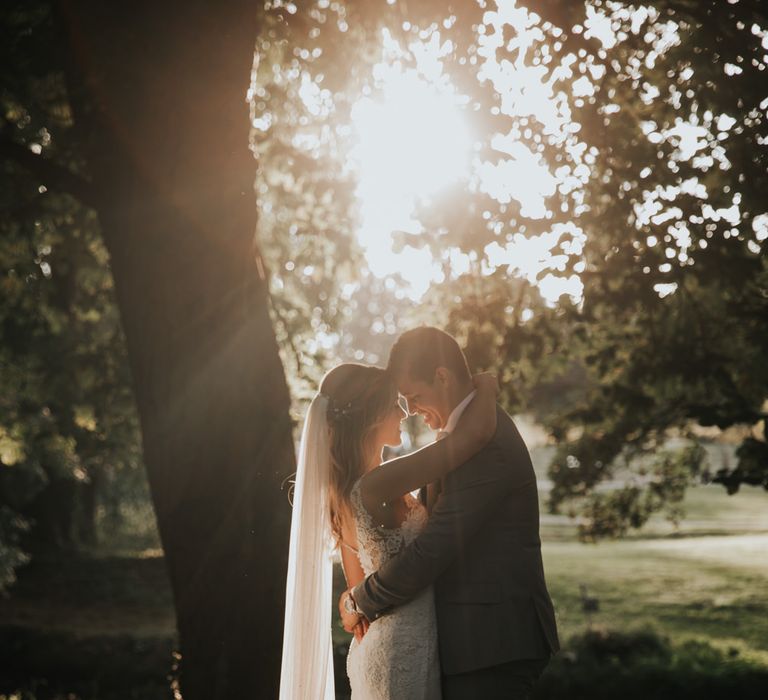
x,y
506,150
411,142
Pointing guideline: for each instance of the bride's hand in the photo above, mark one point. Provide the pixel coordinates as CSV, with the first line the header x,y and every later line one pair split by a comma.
x,y
361,628
349,620
486,380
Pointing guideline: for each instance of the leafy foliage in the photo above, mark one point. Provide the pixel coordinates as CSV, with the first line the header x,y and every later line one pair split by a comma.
x,y
68,421
660,150
656,210
671,328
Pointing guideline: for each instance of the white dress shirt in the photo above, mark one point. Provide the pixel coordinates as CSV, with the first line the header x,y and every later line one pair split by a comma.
x,y
433,490
453,419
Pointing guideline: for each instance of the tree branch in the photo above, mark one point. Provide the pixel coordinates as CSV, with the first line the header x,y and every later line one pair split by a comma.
x,y
51,174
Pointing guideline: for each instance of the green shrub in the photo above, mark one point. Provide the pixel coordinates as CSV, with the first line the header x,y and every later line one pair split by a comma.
x,y
639,665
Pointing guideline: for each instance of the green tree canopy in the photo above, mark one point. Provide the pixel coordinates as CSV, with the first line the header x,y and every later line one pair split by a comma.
x,y
627,143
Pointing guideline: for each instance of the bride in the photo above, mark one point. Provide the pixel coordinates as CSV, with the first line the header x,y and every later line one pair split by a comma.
x,y
346,498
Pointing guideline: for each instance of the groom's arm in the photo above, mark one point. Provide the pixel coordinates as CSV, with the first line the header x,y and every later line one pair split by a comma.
x,y
472,495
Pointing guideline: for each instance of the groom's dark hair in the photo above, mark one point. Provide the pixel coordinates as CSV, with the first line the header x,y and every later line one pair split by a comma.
x,y
422,350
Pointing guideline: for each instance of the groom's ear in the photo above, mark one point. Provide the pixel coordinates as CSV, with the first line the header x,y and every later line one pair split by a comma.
x,y
443,376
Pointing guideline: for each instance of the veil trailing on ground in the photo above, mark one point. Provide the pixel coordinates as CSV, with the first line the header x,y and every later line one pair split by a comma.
x,y
307,666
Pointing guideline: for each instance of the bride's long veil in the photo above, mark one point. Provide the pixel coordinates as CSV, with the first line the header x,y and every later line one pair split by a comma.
x,y
307,666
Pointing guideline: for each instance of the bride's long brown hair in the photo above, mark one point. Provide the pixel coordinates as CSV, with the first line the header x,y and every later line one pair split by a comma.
x,y
359,399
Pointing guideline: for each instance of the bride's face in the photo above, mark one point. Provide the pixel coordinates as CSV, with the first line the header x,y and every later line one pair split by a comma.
x,y
389,430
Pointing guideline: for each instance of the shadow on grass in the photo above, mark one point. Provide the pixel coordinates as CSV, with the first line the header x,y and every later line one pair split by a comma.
x,y
45,665
102,629
598,665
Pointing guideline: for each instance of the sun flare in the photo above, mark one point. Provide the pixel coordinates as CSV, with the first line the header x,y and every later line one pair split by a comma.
x,y
411,141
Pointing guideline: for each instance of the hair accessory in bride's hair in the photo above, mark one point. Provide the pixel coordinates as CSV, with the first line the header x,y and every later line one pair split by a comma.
x,y
335,412
339,412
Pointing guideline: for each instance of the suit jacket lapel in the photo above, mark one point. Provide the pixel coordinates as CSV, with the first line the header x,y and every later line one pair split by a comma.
x,y
433,490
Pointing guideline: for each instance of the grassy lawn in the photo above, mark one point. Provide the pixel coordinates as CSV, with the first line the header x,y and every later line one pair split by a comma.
x,y
93,597
706,579
710,508
710,588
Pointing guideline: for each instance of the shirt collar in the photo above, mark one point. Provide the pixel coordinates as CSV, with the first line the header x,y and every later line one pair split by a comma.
x,y
453,419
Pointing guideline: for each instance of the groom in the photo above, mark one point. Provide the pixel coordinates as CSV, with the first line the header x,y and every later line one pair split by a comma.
x,y
480,548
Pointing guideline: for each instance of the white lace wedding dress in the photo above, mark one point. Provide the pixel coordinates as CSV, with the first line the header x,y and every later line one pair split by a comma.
x,y
397,658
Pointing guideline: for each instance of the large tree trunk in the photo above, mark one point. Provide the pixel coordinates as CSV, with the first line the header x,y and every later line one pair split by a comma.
x,y
159,90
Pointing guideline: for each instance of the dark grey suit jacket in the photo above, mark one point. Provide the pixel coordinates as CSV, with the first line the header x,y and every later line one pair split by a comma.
x,y
481,550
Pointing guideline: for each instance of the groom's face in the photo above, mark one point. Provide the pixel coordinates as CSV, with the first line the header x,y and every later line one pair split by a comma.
x,y
431,400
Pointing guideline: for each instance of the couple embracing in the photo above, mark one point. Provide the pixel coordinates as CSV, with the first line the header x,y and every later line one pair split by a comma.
x,y
446,594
